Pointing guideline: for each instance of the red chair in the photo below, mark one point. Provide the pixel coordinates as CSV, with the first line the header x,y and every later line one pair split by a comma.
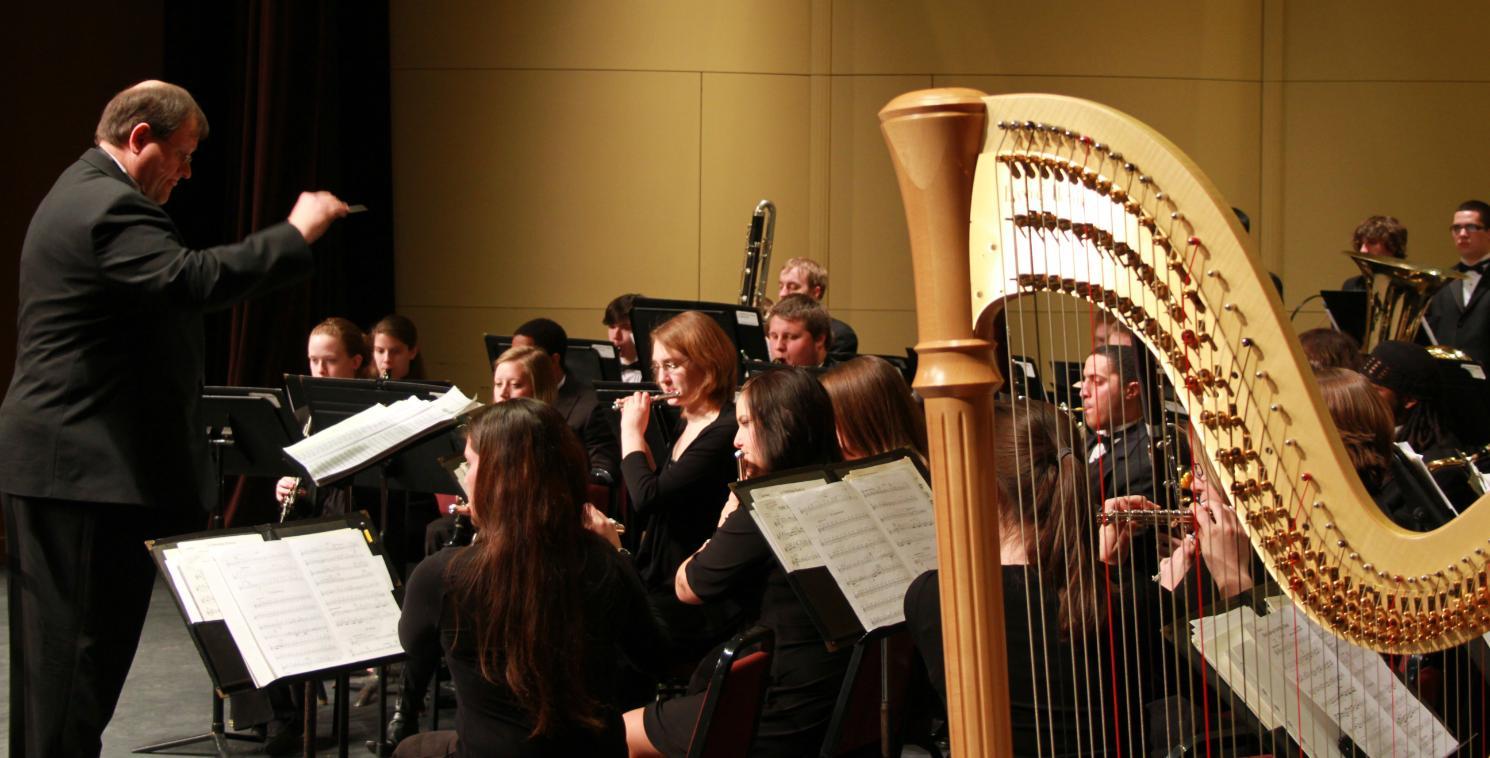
x,y
732,705
867,718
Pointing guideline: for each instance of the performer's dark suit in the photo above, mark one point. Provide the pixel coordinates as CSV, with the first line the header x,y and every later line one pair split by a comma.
x,y
577,402
1127,467
100,447
1466,327
845,343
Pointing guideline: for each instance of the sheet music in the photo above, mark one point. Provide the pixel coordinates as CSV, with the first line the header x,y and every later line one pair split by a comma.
x,y
184,568
305,603
370,433
900,502
860,556
271,610
1291,672
354,589
784,531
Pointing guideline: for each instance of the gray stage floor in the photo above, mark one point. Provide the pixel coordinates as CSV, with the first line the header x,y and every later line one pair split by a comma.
x,y
169,695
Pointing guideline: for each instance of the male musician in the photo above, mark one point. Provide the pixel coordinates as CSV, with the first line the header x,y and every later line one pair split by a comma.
x,y
798,332
805,276
1120,451
1381,236
576,399
618,330
1459,315
96,456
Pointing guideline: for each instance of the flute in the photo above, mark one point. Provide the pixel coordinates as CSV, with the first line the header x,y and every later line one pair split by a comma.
x,y
740,465
1179,517
655,397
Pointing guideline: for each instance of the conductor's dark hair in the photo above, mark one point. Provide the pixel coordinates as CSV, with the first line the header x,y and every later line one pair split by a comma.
x,y
792,416
165,107
618,311
547,334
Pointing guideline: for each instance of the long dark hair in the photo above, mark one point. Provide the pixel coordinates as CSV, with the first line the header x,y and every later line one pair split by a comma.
x,y
793,419
1040,488
521,582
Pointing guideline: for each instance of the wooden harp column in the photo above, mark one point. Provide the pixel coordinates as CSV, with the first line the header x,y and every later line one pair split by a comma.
x,y
934,138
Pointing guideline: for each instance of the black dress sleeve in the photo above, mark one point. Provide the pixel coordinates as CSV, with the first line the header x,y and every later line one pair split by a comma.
x,y
671,484
639,632
424,596
923,618
600,442
734,555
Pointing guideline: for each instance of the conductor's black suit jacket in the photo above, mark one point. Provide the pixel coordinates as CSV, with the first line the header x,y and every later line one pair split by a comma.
x,y
103,403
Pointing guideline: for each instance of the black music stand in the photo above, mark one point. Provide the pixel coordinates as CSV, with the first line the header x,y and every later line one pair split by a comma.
x,y
247,431
591,360
413,466
1347,311
741,323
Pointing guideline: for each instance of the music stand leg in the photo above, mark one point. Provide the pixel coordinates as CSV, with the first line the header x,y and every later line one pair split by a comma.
x,y
343,712
308,744
217,733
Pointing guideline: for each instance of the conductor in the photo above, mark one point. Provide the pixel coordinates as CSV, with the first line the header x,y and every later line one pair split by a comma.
x,y
99,445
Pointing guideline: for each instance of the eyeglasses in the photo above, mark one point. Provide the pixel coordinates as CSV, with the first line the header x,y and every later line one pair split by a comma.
x,y
671,367
1467,228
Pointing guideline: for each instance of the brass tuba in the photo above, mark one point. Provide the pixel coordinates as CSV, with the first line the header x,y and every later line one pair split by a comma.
x,y
1397,296
758,255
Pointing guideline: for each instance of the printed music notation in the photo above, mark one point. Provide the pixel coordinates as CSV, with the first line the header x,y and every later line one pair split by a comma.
x,y
1293,674
873,531
184,568
304,603
369,434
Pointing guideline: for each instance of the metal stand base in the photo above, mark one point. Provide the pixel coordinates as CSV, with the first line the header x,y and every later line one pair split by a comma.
x,y
218,734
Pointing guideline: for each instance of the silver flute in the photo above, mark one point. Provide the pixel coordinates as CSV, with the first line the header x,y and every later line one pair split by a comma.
x,y
655,397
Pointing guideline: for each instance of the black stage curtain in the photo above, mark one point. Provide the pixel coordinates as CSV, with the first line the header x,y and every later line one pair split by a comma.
x,y
297,96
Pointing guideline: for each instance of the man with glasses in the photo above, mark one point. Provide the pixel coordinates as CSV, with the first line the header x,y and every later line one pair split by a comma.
x,y
1459,315
100,445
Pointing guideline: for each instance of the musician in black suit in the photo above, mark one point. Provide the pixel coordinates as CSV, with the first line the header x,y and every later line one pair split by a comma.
x,y
1460,313
1120,450
576,399
96,455
805,276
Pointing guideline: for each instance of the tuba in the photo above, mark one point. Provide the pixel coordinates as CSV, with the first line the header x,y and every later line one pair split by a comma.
x,y
758,255
1028,198
1397,295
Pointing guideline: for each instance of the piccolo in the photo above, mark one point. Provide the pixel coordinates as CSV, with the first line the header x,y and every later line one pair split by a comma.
x,y
655,397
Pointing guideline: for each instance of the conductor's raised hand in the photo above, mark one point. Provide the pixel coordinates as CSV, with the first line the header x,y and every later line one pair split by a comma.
x,y
314,212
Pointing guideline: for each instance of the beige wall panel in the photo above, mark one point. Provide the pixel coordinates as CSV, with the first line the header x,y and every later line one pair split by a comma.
x,y
1340,168
544,188
1364,40
1218,124
1169,38
766,36
451,338
882,332
756,144
869,261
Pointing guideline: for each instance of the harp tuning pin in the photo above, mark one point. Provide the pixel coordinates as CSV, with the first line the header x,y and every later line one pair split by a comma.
x,y
1085,140
1194,241
1003,124
1177,216
1126,166
1144,179
1117,156
1100,147
1160,196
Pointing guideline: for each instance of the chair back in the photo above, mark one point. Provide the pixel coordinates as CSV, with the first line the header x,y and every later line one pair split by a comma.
x,y
732,705
867,717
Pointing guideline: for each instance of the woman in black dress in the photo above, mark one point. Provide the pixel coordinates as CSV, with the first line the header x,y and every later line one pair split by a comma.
x,y
678,493
785,420
536,617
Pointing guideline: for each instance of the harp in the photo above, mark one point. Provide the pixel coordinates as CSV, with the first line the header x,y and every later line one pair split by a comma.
x,y
1011,196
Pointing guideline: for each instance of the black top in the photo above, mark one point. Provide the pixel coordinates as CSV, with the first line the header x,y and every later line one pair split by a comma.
x,y
577,402
108,287
616,623
1060,691
805,676
681,501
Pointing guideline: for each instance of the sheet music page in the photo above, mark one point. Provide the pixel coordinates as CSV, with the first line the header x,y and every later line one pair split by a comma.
x,y
860,556
184,568
900,502
784,531
271,610
354,590
367,435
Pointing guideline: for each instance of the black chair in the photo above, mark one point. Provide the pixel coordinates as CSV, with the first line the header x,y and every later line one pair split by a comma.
x,y
867,717
732,705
